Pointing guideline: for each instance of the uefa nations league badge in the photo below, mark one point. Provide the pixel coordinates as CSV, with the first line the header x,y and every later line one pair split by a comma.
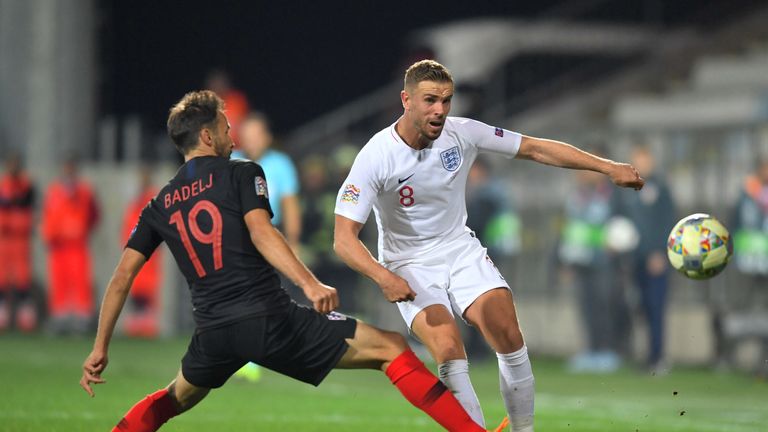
x,y
451,158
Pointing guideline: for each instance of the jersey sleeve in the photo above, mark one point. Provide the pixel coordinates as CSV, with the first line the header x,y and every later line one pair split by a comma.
x,y
253,188
489,139
359,190
143,238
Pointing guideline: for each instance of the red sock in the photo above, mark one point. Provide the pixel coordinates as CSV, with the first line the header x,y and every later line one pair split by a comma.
x,y
422,388
148,414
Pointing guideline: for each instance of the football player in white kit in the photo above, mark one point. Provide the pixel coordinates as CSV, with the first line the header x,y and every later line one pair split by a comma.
x,y
413,174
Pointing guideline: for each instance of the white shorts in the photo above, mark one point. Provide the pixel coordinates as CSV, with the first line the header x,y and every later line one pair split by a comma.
x,y
454,276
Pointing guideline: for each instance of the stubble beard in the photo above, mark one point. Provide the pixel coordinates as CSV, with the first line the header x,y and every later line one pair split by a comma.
x,y
222,149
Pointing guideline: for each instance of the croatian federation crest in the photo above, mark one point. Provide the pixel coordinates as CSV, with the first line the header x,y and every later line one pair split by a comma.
x,y
335,316
261,186
451,158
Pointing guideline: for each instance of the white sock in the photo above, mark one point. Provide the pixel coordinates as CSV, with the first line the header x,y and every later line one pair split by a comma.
x,y
516,383
455,375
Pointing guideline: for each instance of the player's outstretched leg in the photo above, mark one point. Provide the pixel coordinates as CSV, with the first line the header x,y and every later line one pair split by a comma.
x,y
494,314
373,348
154,410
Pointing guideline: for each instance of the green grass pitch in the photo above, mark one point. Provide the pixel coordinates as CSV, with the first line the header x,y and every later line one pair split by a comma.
x,y
39,378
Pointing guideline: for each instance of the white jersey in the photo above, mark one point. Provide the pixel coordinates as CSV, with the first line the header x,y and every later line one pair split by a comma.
x,y
418,196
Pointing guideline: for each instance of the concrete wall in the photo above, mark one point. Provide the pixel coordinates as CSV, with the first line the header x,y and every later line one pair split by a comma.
x,y
47,78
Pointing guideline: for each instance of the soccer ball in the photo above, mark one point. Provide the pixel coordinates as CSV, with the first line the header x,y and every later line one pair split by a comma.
x,y
699,246
621,235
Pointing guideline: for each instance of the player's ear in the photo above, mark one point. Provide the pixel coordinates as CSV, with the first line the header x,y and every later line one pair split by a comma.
x,y
405,99
206,136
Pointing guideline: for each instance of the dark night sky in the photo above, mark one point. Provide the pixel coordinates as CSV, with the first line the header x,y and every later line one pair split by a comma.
x,y
293,59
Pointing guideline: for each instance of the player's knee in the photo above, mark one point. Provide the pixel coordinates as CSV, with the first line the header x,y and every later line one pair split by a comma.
x,y
379,345
172,393
185,397
394,344
386,347
447,347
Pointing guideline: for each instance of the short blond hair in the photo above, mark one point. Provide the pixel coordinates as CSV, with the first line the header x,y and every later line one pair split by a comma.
x,y
426,70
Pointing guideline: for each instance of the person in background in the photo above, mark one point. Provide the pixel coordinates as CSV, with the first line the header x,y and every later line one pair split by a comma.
x,y
17,196
318,200
255,145
256,141
652,211
749,227
491,215
583,251
70,213
750,224
236,102
142,320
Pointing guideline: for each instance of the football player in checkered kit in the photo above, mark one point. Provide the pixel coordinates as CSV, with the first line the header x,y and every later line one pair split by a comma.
x,y
413,175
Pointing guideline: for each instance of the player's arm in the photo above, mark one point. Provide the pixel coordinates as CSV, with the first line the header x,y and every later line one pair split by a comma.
x,y
272,245
347,244
560,154
114,299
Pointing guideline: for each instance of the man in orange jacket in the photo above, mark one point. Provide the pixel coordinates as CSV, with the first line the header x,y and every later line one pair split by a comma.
x,y
235,101
145,292
16,201
70,213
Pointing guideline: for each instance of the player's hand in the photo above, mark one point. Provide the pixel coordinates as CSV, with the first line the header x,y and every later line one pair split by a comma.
x,y
324,298
396,289
93,367
625,175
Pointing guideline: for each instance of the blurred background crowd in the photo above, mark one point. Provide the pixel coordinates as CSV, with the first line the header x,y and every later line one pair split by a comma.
x,y
680,89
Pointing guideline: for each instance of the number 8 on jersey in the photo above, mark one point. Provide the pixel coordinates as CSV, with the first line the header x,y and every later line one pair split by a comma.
x,y
406,196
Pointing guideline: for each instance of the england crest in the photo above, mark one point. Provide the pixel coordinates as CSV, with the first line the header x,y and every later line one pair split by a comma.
x,y
451,158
